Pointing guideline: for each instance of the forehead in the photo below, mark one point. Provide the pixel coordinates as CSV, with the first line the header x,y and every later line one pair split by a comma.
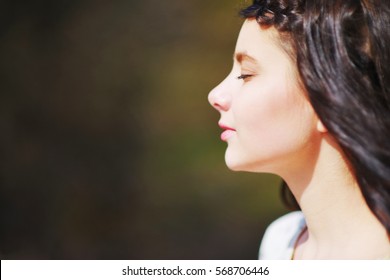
x,y
254,39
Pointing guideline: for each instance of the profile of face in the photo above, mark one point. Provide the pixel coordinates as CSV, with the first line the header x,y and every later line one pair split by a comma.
x,y
269,125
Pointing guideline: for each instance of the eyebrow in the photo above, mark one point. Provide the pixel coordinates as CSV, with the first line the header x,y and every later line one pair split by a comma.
x,y
241,56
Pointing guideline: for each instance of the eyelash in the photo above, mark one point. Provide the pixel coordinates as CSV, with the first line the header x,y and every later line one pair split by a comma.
x,y
243,77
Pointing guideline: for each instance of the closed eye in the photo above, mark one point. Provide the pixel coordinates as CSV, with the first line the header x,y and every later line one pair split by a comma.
x,y
244,77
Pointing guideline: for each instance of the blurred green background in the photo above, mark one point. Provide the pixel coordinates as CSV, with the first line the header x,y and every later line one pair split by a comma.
x,y
109,148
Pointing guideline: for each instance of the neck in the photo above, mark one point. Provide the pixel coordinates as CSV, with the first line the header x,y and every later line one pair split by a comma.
x,y
339,222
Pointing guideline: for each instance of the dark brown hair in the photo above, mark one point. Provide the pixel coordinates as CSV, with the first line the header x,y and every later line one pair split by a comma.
x,y
342,53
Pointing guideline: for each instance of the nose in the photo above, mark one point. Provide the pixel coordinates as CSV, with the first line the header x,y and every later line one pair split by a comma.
x,y
220,97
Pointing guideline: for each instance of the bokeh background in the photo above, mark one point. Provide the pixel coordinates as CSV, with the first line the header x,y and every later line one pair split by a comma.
x,y
109,148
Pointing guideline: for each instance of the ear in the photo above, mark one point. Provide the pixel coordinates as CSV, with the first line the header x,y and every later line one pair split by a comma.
x,y
321,128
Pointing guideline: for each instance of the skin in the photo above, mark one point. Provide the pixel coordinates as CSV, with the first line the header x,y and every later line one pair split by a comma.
x,y
274,129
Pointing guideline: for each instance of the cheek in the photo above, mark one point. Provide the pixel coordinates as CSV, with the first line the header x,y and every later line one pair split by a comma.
x,y
273,118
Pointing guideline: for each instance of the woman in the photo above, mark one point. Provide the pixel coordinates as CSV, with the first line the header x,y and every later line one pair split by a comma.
x,y
308,99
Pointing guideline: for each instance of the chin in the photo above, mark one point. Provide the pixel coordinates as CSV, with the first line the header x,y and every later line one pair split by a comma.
x,y
234,167
235,164
243,167
240,164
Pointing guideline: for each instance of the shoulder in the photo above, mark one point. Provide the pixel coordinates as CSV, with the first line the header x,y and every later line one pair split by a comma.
x,y
280,236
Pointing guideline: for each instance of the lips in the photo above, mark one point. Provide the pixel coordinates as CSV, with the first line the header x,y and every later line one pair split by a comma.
x,y
227,132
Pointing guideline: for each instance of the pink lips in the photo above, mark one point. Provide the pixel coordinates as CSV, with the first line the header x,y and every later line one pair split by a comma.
x,y
227,133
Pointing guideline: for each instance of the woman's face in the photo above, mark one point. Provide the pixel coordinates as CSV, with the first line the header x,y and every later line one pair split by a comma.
x,y
268,123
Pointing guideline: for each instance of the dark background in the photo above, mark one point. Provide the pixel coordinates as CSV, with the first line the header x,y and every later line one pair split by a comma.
x,y
109,148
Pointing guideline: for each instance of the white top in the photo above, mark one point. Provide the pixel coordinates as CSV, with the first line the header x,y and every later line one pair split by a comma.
x,y
280,237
